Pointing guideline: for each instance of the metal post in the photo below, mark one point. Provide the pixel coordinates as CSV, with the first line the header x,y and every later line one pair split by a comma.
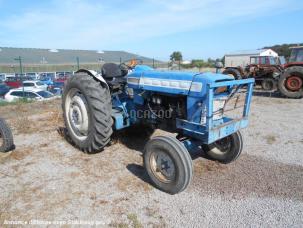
x,y
78,64
21,72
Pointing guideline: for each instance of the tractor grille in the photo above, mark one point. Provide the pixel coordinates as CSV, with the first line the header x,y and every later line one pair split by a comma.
x,y
231,107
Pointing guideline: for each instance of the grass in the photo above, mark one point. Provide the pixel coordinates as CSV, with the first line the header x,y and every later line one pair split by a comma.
x,y
16,102
270,139
134,220
119,225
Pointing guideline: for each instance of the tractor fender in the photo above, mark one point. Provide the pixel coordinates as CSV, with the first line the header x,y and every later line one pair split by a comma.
x,y
95,75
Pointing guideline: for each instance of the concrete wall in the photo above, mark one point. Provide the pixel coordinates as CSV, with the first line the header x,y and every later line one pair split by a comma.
x,y
235,61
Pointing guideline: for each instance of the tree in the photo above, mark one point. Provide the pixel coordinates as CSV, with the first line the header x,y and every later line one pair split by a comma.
x,y
284,49
176,56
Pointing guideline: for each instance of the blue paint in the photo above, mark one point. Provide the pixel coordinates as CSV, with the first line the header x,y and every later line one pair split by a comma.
x,y
200,126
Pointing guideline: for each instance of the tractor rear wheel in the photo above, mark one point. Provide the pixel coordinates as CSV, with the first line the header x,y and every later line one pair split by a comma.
x,y
6,137
87,113
291,82
233,72
168,164
225,150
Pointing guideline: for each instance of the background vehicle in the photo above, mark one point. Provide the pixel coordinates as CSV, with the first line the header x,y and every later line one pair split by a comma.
x,y
33,75
6,137
63,76
264,69
56,88
47,78
291,81
2,77
3,89
34,85
31,94
193,105
13,82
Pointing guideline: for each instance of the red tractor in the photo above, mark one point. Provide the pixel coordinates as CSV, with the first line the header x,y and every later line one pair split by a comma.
x,y
291,81
264,69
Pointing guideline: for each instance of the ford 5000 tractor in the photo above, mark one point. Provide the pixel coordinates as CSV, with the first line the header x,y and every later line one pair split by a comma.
x,y
204,110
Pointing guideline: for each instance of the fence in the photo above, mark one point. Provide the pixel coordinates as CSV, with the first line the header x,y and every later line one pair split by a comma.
x,y
14,67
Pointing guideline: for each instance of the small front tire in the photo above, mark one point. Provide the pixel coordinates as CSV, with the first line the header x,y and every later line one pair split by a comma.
x,y
225,150
168,164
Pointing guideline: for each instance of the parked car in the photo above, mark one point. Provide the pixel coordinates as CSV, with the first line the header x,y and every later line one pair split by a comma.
x,y
31,94
63,76
3,89
56,88
13,82
2,77
34,84
33,75
47,78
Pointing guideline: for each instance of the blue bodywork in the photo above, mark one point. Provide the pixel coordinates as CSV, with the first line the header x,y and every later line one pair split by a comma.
x,y
200,92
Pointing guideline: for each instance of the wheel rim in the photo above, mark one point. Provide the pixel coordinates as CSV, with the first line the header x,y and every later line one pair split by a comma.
x,y
162,166
77,114
294,83
222,146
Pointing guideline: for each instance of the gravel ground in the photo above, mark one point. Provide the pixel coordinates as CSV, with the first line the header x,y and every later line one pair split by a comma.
x,y
47,179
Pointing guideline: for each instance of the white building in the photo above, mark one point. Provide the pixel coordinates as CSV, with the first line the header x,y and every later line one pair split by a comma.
x,y
242,58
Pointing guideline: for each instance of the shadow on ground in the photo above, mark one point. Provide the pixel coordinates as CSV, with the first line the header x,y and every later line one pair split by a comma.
x,y
262,93
248,176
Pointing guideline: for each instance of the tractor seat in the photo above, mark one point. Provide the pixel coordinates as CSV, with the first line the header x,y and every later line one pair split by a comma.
x,y
111,71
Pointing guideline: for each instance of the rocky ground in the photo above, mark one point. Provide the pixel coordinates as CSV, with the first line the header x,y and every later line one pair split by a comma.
x,y
47,179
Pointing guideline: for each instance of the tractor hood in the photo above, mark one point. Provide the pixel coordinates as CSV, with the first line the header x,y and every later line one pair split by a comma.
x,y
146,78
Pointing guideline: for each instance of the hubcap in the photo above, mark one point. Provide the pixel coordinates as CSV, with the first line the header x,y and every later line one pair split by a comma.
x,y
294,83
162,166
77,114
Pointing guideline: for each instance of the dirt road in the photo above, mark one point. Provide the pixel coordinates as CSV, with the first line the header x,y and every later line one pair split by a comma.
x,y
45,178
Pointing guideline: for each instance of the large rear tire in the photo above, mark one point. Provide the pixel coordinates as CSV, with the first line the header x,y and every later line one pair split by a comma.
x,y
168,164
87,113
225,150
6,137
291,82
233,72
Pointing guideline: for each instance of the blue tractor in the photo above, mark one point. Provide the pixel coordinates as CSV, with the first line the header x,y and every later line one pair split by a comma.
x,y
195,106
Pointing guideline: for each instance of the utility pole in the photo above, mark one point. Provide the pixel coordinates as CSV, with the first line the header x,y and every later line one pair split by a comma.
x,y
21,72
78,63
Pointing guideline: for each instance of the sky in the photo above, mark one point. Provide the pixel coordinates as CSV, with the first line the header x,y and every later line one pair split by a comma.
x,y
154,28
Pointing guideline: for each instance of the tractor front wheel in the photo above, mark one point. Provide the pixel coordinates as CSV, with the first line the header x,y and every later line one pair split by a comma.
x,y
233,72
225,150
269,84
168,164
87,113
291,82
